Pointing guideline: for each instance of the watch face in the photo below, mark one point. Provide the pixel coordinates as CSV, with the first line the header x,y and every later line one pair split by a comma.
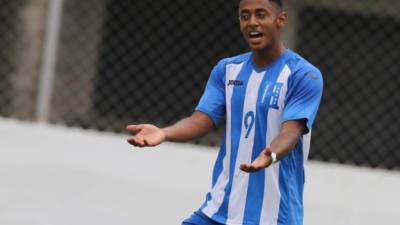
x,y
273,157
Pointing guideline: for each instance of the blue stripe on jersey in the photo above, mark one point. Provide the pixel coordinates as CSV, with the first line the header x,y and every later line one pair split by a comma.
x,y
217,171
218,165
237,103
257,180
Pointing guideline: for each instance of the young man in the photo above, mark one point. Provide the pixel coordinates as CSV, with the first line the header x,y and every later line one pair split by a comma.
x,y
269,97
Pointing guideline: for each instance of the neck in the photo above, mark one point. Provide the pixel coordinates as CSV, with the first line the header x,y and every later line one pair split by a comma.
x,y
264,57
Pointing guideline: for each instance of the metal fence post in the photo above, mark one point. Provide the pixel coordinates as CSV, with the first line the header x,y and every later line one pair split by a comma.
x,y
49,59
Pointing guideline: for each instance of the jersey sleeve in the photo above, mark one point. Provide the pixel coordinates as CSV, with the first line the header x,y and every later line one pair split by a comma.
x,y
212,101
304,95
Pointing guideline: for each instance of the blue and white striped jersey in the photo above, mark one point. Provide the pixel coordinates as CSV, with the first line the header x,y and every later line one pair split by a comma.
x,y
255,102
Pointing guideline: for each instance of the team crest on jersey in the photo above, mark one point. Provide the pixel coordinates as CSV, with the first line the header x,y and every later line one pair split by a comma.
x,y
276,91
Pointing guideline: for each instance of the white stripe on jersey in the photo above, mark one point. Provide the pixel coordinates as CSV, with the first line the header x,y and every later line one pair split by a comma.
x,y
218,192
237,200
271,202
306,146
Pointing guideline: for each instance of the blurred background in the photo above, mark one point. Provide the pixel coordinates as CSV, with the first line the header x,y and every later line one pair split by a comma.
x,y
100,65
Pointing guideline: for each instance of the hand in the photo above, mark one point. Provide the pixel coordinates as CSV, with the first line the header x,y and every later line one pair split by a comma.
x,y
262,161
146,135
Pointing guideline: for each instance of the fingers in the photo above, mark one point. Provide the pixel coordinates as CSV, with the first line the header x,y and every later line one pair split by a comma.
x,y
249,168
261,162
134,128
140,141
253,167
136,141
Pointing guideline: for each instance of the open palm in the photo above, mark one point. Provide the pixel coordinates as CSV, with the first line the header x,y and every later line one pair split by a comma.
x,y
146,135
261,162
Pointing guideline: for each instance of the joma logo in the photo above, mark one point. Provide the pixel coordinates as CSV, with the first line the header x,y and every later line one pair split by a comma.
x,y
235,82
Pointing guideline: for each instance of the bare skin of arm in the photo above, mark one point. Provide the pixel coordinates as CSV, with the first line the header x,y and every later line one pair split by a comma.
x,y
199,124
194,126
282,145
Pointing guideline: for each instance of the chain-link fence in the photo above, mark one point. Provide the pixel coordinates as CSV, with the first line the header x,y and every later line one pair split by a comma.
x,y
21,31
120,62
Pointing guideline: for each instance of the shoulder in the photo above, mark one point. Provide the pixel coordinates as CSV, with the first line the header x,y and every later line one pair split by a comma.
x,y
238,59
220,69
301,68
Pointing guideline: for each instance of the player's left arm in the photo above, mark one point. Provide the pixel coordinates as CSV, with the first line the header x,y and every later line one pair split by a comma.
x,y
282,145
301,106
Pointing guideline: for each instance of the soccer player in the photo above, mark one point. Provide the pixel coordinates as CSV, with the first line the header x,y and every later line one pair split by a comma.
x,y
269,97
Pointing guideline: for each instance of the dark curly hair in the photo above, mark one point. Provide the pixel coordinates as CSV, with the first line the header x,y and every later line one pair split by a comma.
x,y
279,3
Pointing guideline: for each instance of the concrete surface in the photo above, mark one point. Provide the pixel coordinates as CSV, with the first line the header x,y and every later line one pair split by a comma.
x,y
53,175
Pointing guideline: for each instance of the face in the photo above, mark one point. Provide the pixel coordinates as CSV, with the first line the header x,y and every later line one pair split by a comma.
x,y
261,22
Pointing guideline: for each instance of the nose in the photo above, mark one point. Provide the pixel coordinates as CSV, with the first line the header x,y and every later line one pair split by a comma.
x,y
253,21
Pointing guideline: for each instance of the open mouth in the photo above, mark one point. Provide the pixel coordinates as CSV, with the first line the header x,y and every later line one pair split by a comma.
x,y
255,34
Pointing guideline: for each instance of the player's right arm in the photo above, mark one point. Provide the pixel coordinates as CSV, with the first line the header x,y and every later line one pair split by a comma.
x,y
208,113
194,126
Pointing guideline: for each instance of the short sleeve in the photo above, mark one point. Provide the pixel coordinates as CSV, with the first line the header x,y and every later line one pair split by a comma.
x,y
212,101
304,95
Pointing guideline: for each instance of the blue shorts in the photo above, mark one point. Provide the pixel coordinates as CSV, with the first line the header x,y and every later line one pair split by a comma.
x,y
199,218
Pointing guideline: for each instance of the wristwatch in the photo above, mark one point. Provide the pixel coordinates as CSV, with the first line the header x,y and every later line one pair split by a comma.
x,y
274,157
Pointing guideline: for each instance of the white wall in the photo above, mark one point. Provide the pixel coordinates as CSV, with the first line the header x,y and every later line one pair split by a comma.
x,y
60,176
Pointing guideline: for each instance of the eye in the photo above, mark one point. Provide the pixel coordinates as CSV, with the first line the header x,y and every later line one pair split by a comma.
x,y
244,16
261,15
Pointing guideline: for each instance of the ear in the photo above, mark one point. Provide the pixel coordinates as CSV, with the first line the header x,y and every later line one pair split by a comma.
x,y
282,19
